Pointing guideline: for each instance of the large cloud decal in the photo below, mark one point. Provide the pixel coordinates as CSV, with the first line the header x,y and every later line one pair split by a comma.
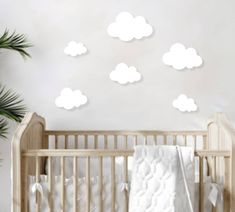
x,y
180,57
69,99
184,104
124,74
74,49
127,27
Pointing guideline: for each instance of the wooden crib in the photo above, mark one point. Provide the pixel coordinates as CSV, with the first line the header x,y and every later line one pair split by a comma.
x,y
33,145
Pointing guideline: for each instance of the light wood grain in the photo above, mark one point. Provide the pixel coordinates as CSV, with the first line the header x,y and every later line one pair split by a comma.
x,y
30,151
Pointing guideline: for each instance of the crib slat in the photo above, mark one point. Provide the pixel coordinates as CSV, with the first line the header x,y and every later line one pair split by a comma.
x,y
195,141
76,142
25,184
62,198
126,141
101,184
38,200
88,184
214,169
205,142
105,141
115,142
113,184
174,139
226,184
50,184
164,139
201,188
75,184
135,140
96,141
155,139
56,141
126,181
214,176
86,141
145,140
185,140
66,142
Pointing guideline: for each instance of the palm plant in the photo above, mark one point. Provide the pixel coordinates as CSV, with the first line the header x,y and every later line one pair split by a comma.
x,y
16,42
11,105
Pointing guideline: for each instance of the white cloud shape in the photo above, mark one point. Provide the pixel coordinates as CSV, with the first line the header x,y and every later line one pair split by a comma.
x,y
74,49
124,74
180,57
127,27
184,104
69,99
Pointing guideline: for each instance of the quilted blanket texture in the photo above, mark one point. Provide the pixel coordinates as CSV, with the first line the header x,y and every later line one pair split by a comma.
x,y
157,183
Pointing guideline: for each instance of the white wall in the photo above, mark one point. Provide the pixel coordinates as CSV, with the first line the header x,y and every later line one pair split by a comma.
x,y
207,26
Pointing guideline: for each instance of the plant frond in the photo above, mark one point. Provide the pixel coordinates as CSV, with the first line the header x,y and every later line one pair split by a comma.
x,y
14,41
3,128
11,105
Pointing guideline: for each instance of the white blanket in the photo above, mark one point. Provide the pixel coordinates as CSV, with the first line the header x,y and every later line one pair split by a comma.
x,y
157,183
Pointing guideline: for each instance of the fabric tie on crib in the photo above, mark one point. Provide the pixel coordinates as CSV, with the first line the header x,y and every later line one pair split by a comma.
x,y
37,187
216,193
124,187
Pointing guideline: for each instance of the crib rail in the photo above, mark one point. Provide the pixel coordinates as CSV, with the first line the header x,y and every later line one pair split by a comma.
x,y
124,139
208,156
107,153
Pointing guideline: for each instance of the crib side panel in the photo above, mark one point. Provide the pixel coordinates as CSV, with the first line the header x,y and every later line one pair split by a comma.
x,y
221,137
29,135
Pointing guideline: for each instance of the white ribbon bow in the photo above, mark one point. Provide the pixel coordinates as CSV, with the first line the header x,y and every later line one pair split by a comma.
x,y
37,187
216,193
124,187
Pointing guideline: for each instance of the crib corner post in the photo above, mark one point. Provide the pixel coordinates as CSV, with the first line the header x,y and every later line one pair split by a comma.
x,y
29,135
221,136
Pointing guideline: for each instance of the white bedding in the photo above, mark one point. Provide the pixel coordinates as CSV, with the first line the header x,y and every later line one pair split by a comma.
x,y
120,198
119,164
157,180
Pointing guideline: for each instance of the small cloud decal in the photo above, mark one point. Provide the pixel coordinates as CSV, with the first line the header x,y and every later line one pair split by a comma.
x,y
70,99
124,74
127,27
185,104
74,49
180,57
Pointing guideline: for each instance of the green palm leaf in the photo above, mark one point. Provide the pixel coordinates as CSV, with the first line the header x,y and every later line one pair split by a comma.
x,y
3,128
11,105
15,42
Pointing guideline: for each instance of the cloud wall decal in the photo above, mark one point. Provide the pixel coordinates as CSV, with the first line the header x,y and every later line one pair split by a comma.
x,y
74,49
127,27
124,74
70,99
180,57
185,104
